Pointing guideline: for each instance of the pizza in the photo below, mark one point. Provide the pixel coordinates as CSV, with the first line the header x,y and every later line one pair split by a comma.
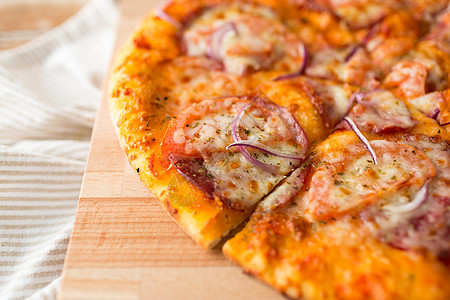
x,y
310,139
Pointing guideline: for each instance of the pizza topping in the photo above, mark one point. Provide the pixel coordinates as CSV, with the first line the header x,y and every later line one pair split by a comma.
x,y
362,138
244,38
408,78
198,142
419,199
215,44
437,79
330,99
297,132
428,104
351,65
301,70
359,14
236,138
440,32
393,37
261,147
352,52
433,105
423,222
287,190
380,111
349,181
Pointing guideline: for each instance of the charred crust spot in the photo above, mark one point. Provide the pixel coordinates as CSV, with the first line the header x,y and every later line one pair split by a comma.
x,y
140,42
293,107
127,92
172,210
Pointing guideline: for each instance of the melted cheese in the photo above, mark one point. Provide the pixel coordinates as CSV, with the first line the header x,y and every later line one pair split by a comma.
x,y
427,225
243,37
205,130
427,103
381,111
350,183
408,78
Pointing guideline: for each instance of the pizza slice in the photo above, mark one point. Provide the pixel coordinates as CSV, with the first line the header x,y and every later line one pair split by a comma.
x,y
355,224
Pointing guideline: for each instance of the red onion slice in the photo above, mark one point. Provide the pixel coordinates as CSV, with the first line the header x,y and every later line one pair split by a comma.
x,y
352,53
362,138
289,119
435,114
374,27
216,40
302,69
160,13
259,146
419,199
355,97
361,96
235,134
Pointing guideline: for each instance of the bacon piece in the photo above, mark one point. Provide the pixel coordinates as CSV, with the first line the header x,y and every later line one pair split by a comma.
x,y
380,112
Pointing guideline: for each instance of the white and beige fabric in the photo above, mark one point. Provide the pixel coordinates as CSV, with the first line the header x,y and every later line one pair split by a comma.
x,y
49,93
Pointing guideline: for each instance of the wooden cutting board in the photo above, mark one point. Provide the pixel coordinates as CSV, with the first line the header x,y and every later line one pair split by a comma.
x,y
124,245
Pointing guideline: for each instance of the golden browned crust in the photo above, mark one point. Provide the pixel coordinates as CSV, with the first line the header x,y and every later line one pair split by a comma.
x,y
336,261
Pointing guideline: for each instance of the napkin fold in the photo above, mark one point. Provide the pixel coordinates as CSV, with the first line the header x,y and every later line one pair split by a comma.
x,y
50,89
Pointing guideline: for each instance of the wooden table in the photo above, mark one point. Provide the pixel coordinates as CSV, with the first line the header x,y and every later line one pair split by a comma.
x,y
124,245
24,20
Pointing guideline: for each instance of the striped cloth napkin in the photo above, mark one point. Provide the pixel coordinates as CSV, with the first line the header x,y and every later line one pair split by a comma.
x,y
49,93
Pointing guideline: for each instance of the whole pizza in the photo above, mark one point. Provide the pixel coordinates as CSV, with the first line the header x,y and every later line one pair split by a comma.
x,y
310,139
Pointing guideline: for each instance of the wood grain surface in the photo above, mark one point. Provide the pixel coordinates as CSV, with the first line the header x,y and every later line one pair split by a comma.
x,y
24,20
124,245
